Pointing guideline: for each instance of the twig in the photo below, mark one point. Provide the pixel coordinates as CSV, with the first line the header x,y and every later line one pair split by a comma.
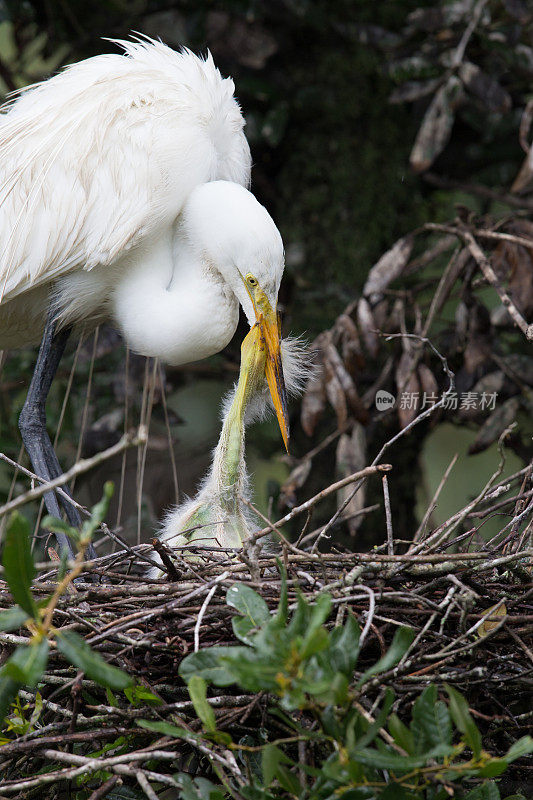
x,y
142,780
43,481
106,787
370,614
203,609
360,475
431,507
388,516
469,30
85,464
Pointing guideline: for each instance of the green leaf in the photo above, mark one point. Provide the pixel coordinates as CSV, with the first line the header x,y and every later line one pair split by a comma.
x,y
198,692
271,758
487,791
18,563
520,748
27,663
98,512
319,613
344,647
463,720
139,695
8,691
207,664
400,644
401,734
288,781
374,727
317,641
78,652
12,619
431,723
167,729
389,760
251,605
56,525
495,767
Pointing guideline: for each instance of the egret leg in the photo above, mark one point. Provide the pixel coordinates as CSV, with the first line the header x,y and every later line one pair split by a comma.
x,y
32,424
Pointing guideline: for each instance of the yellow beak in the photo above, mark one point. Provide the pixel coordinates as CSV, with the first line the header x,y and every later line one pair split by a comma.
x,y
271,335
274,373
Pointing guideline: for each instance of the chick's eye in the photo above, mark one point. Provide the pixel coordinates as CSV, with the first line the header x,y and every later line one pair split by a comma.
x,y
251,280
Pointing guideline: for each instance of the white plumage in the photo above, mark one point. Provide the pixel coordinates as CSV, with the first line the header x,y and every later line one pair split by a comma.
x,y
122,196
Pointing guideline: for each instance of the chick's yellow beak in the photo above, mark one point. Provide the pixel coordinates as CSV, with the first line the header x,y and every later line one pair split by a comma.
x,y
270,331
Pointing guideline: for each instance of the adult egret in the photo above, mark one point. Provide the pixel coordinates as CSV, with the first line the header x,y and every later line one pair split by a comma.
x,y
122,197
219,515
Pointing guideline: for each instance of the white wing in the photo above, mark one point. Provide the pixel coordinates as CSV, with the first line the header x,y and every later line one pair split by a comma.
x,y
105,152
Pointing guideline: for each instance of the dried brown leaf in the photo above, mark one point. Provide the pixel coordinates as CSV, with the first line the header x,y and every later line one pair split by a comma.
x,y
407,384
336,396
488,384
314,397
486,88
436,126
497,612
410,91
333,360
521,365
367,326
352,354
428,384
388,268
499,420
350,458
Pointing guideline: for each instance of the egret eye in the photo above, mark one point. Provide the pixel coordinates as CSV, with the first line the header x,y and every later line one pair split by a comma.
x,y
251,281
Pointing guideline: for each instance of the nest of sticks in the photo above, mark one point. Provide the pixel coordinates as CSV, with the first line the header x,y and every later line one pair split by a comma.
x,y
148,628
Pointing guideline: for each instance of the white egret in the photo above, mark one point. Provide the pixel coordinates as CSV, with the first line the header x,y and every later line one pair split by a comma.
x,y
122,197
219,515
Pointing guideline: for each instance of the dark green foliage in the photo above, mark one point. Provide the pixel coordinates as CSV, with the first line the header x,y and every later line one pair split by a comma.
x,y
27,664
311,670
18,563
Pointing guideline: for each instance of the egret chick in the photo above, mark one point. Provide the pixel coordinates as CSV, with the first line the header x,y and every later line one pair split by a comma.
x,y
219,516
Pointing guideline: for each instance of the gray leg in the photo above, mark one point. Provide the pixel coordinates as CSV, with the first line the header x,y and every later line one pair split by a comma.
x,y
32,424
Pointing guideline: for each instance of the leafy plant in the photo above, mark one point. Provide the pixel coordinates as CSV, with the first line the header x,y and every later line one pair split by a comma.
x,y
349,753
27,664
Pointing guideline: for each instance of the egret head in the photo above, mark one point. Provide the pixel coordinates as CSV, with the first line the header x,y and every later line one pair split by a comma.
x,y
236,236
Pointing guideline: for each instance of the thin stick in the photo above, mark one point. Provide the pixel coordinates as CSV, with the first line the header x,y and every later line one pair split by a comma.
x,y
203,609
431,507
142,780
84,465
370,614
169,436
375,469
388,516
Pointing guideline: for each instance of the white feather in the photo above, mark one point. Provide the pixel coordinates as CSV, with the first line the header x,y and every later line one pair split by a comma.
x,y
98,167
